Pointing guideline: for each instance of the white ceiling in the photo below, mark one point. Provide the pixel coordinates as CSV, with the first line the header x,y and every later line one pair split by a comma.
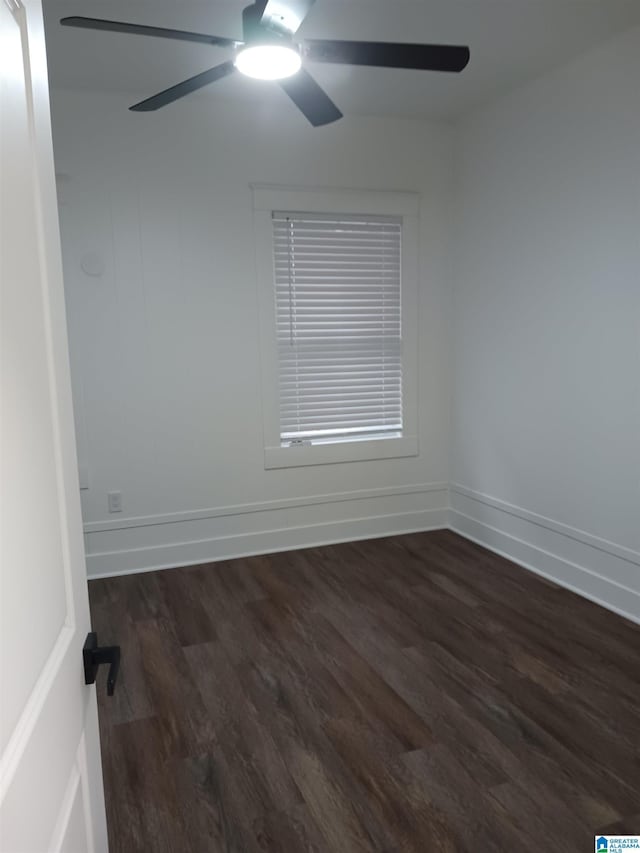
x,y
511,41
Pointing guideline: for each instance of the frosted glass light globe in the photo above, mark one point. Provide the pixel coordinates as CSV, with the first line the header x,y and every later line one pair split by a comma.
x,y
268,61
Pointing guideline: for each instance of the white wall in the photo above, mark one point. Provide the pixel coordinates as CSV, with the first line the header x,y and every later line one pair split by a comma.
x,y
546,349
164,343
541,274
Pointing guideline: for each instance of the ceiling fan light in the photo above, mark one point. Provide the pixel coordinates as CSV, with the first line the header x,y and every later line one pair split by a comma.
x,y
268,61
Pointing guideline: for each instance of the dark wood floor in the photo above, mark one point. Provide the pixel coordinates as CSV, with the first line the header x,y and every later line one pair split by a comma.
x,y
416,693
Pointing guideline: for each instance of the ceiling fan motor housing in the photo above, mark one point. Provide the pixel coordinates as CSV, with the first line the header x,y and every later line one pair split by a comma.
x,y
254,31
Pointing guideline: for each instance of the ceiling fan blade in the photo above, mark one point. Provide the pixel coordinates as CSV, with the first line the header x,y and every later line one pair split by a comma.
x,y
285,15
140,30
310,99
184,88
428,57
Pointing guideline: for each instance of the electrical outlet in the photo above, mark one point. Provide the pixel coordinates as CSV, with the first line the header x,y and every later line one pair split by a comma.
x,y
114,500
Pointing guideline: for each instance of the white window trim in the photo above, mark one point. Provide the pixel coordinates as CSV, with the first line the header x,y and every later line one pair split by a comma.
x,y
267,199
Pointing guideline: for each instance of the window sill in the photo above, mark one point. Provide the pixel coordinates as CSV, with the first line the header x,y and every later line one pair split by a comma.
x,y
343,451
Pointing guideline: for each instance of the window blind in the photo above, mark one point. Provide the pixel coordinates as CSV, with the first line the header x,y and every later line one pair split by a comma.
x,y
338,317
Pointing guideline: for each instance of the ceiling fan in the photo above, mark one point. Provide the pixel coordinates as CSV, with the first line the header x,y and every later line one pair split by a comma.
x,y
268,51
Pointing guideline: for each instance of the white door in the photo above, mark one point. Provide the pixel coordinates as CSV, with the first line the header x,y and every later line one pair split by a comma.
x,y
51,795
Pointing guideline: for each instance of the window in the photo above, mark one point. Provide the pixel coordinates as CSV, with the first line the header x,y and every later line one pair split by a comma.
x,y
338,280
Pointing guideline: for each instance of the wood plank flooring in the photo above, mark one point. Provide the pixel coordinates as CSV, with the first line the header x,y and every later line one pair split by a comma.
x,y
415,693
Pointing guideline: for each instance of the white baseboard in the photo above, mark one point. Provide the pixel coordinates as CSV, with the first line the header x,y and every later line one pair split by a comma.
x,y
269,542
264,506
603,572
151,543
